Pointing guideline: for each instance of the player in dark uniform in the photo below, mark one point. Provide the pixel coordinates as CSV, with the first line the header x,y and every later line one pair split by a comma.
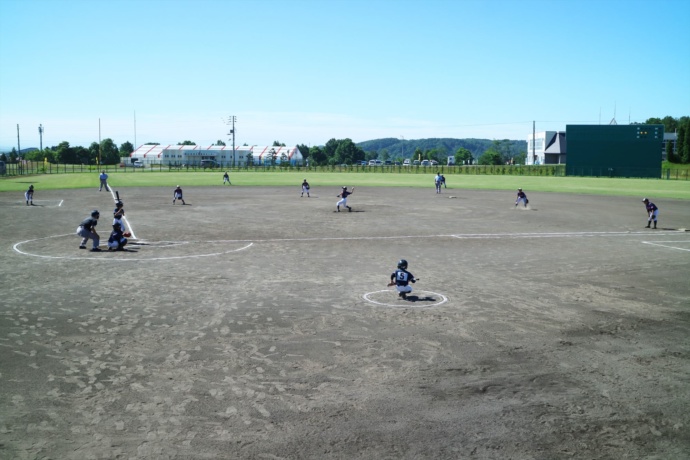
x,y
116,241
401,279
177,195
226,178
521,196
87,229
652,212
29,195
305,188
343,199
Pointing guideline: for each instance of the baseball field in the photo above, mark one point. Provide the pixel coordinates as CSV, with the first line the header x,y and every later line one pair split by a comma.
x,y
253,323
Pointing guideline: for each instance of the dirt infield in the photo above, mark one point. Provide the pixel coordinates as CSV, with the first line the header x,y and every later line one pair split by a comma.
x,y
252,323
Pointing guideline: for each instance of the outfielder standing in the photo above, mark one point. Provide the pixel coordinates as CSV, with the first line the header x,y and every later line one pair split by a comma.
x,y
652,212
343,199
305,188
521,196
177,195
401,279
226,178
438,180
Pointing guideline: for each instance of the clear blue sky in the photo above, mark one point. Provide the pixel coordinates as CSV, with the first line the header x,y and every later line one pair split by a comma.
x,y
303,72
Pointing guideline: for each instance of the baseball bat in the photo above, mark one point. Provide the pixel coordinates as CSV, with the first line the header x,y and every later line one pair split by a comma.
x,y
117,194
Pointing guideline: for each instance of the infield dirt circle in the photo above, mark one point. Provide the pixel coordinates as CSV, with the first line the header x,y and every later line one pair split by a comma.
x,y
252,323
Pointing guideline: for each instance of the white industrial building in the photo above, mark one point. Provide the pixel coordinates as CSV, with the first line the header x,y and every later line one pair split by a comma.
x,y
193,155
548,148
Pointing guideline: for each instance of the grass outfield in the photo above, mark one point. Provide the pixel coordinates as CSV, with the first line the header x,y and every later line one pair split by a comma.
x,y
654,188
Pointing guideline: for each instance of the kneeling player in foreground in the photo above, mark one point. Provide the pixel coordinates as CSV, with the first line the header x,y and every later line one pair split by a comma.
x,y
401,279
117,240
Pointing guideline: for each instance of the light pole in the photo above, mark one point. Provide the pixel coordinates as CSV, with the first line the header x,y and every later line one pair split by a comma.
x,y
402,148
231,120
40,134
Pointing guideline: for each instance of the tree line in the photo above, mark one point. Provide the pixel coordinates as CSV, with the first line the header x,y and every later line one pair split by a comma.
x,y
680,152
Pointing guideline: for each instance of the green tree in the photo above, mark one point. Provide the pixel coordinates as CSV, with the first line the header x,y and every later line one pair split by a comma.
x,y
3,157
304,150
418,154
278,144
219,142
126,149
110,154
13,155
683,142
186,143
94,152
250,159
493,155
82,156
317,155
463,156
347,152
65,153
670,154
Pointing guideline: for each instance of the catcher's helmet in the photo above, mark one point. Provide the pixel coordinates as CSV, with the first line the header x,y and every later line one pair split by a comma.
x,y
402,263
95,213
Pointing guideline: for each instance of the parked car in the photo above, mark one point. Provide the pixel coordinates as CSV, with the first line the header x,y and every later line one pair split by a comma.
x,y
388,162
415,163
138,164
362,163
372,162
406,162
433,163
425,163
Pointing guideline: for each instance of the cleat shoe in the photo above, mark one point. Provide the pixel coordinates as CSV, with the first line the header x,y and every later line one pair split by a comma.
x,y
404,296
96,250
82,247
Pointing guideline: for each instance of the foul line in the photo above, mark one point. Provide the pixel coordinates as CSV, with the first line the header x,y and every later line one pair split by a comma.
x,y
658,243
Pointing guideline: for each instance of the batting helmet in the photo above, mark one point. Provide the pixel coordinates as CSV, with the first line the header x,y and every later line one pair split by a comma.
x,y
95,213
402,263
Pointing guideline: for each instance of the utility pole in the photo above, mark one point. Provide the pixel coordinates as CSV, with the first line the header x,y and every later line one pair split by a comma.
x,y
40,134
231,120
19,148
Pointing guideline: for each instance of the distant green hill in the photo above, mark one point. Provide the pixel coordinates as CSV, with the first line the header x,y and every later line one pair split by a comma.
x,y
405,148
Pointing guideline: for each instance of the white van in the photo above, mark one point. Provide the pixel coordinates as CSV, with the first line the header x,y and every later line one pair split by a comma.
x,y
406,162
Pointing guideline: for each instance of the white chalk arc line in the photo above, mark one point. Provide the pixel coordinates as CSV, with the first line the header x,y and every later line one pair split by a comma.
x,y
17,249
407,304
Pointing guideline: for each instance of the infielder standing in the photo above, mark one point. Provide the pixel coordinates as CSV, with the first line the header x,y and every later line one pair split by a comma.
x,y
401,279
305,188
652,212
177,195
29,196
226,178
438,180
521,196
343,199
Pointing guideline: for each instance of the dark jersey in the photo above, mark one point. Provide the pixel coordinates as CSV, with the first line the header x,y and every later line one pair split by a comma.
x,y
115,236
651,207
402,277
89,223
345,194
305,184
118,212
521,194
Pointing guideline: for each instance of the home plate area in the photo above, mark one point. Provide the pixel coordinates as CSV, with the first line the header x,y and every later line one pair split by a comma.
x,y
416,299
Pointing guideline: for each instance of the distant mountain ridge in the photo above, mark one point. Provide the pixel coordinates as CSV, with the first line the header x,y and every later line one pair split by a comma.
x,y
405,148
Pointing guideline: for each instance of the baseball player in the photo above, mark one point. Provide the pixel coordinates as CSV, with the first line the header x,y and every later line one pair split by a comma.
x,y
401,279
226,178
438,180
118,215
305,188
177,195
29,196
343,199
521,197
87,229
652,212
116,241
